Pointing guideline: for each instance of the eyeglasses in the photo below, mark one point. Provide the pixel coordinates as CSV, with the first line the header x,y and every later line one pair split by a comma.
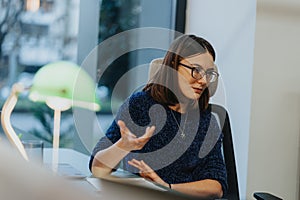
x,y
198,73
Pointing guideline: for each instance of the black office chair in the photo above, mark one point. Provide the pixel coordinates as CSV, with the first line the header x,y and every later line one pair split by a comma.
x,y
228,151
229,158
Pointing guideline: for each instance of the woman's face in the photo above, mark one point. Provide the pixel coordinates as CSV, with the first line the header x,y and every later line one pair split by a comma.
x,y
189,86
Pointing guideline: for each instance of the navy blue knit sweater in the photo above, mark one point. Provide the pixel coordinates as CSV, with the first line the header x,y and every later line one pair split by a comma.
x,y
184,147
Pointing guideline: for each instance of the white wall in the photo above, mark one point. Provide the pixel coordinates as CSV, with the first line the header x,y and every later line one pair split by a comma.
x,y
275,116
229,26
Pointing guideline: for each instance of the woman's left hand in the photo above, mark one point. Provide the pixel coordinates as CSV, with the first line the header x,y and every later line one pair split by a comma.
x,y
147,172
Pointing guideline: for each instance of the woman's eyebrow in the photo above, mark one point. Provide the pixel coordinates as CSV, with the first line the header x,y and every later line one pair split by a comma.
x,y
209,68
197,65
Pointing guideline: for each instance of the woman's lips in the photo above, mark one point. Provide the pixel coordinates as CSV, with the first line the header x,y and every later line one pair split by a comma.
x,y
197,90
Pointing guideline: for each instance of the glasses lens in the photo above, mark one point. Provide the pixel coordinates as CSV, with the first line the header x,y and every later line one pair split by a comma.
x,y
198,73
211,76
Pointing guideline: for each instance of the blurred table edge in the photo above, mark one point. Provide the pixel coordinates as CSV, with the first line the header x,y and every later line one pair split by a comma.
x,y
76,159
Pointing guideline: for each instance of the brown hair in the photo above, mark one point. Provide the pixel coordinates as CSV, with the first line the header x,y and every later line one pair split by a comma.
x,y
161,85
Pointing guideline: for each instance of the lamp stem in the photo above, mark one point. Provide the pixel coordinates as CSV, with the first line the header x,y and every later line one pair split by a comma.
x,y
5,118
56,131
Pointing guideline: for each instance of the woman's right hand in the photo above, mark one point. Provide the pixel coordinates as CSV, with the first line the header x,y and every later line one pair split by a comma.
x,y
130,141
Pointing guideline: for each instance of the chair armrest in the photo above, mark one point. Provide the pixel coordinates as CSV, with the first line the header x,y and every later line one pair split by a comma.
x,y
265,196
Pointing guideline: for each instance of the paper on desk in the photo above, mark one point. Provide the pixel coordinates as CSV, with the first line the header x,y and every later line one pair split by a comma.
x,y
141,182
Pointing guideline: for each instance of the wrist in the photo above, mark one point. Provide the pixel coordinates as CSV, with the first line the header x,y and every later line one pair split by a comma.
x,y
121,146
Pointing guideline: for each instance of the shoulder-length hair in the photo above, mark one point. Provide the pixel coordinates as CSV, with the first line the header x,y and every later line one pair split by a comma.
x,y
162,84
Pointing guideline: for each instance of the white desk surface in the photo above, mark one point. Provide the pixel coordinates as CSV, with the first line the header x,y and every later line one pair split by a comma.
x,y
78,160
109,189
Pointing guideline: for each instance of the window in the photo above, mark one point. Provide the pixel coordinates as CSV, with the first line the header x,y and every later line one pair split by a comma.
x,y
117,16
43,31
35,33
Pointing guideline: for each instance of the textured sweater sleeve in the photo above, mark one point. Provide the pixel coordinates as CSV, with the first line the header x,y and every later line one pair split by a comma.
x,y
112,135
132,112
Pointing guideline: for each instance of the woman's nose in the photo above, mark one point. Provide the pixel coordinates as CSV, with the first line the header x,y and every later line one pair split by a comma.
x,y
202,80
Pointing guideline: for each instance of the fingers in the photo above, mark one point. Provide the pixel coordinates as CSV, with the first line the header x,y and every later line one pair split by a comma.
x,y
130,141
146,176
122,126
124,129
134,163
144,170
149,132
145,165
141,165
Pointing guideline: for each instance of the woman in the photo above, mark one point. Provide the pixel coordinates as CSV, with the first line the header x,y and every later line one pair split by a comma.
x,y
166,133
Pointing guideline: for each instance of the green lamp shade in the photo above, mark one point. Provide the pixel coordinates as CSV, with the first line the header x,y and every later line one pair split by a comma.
x,y
65,81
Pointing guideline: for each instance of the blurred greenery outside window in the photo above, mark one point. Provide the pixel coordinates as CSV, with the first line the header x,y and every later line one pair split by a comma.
x,y
37,38
31,37
34,33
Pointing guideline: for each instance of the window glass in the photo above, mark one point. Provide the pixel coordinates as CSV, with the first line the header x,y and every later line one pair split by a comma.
x,y
34,33
116,16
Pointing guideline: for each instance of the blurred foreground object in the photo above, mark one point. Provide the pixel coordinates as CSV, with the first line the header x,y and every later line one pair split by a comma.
x,y
28,181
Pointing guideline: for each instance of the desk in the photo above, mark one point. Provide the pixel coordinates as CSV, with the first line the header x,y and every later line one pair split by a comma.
x,y
109,189
29,181
79,161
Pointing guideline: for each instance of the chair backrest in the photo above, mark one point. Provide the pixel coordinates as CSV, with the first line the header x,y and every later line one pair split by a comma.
x,y
228,151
